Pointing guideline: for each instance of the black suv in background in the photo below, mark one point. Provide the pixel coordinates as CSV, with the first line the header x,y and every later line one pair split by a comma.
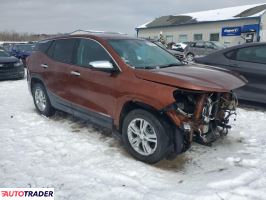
x,y
10,67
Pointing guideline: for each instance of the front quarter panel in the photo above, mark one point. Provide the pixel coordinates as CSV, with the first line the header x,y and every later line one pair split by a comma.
x,y
155,95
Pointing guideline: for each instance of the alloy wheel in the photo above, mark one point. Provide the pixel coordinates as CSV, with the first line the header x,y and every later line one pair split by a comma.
x,y
40,99
142,136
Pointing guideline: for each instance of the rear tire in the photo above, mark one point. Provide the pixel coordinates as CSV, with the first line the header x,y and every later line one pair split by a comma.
x,y
190,57
42,101
145,136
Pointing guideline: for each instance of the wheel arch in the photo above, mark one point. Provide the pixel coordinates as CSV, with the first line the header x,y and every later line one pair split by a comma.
x,y
34,80
132,105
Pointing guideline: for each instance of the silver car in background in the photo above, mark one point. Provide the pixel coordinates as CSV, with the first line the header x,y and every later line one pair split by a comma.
x,y
201,48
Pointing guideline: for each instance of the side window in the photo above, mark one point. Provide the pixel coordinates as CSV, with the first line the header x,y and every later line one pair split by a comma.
x,y
62,50
192,44
209,45
89,51
200,45
50,50
252,54
42,46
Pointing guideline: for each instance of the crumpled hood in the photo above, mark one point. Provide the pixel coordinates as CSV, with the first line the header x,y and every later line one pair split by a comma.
x,y
194,77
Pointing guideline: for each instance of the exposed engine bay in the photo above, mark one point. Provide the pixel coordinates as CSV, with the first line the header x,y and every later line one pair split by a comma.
x,y
202,116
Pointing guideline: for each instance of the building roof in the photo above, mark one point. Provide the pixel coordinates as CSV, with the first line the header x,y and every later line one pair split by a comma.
x,y
232,13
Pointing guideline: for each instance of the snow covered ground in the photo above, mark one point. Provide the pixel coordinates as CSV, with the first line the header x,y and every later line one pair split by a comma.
x,y
82,161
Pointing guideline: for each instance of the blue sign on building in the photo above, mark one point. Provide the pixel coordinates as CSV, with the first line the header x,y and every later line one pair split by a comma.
x,y
231,31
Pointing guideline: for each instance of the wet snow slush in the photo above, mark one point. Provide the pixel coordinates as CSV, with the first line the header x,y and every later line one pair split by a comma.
x,y
82,161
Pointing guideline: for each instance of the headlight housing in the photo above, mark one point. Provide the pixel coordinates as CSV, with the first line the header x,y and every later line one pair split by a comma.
x,y
185,101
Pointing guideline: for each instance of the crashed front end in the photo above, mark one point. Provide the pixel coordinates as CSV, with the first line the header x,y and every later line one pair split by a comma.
x,y
202,116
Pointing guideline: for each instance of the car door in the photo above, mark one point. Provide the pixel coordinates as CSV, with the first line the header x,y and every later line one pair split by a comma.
x,y
93,92
251,63
55,72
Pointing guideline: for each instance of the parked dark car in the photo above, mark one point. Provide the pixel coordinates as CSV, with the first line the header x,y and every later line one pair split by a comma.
x,y
248,60
202,48
8,46
151,100
22,51
10,67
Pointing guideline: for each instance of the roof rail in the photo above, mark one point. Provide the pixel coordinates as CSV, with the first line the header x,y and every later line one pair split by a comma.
x,y
81,32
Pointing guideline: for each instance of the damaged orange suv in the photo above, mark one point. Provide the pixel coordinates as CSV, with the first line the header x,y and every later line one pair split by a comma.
x,y
157,105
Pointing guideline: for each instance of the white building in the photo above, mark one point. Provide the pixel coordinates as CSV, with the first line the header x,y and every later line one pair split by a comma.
x,y
230,26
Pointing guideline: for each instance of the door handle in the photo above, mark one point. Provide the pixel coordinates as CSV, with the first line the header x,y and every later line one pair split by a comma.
x,y
44,66
75,73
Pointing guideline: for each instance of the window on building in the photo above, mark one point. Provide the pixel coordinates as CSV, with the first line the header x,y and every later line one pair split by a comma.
x,y
182,38
197,37
169,38
214,37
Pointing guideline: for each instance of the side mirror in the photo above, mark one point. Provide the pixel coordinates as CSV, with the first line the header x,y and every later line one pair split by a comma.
x,y
103,65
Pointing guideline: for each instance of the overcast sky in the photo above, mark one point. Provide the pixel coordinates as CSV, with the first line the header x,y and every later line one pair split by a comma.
x,y
54,16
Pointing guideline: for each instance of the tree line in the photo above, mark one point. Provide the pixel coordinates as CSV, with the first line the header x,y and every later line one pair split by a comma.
x,y
15,36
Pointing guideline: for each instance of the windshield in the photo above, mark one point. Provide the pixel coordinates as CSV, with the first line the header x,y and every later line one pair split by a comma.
x,y
143,54
24,47
3,53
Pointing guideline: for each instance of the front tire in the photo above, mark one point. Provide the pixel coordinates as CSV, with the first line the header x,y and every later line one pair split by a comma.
x,y
145,136
42,101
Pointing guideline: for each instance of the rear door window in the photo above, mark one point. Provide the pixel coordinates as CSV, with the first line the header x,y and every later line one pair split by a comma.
x,y
62,50
42,46
200,45
254,54
209,45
